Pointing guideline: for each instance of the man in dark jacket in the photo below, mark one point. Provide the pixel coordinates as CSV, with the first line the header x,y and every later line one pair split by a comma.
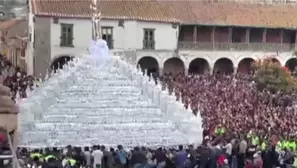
x,y
138,158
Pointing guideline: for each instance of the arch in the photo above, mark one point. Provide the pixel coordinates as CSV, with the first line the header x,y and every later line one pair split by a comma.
x,y
150,64
291,64
59,62
199,66
174,66
223,65
245,65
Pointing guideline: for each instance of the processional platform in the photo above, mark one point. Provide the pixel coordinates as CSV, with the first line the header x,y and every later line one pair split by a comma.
x,y
110,103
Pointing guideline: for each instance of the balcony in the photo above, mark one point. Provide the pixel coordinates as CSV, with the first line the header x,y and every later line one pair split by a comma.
x,y
235,46
148,44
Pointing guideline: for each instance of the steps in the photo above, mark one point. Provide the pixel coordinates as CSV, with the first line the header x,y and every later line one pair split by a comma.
x,y
102,105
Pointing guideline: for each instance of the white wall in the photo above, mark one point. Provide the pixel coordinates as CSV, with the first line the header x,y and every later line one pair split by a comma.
x,y
129,37
165,36
81,34
30,50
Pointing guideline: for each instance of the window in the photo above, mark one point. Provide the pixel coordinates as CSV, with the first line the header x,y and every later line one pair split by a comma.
x,y
107,35
66,35
149,39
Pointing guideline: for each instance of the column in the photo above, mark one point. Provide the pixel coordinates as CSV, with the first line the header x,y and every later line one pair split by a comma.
x,y
213,37
195,34
230,37
295,39
235,70
211,71
160,71
264,36
281,36
186,70
247,35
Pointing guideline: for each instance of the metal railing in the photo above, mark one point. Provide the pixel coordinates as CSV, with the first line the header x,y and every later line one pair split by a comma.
x,y
236,46
149,44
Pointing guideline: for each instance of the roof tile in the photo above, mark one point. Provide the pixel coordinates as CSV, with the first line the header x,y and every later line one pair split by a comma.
x,y
110,9
184,11
6,24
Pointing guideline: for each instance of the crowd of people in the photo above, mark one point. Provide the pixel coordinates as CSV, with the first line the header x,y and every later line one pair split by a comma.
x,y
216,153
15,78
243,127
232,105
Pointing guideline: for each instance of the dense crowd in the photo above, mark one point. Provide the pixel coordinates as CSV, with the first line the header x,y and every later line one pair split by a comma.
x,y
15,78
218,153
243,127
231,105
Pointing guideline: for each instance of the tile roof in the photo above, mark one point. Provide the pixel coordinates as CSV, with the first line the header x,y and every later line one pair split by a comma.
x,y
238,14
14,27
6,24
184,11
19,29
110,9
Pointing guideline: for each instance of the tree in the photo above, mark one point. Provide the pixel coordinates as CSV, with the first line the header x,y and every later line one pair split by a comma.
x,y
271,76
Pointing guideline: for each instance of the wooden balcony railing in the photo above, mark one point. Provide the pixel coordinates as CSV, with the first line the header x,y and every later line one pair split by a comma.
x,y
236,46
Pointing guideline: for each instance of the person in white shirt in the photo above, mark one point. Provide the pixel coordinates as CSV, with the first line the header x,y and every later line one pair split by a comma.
x,y
228,149
97,154
87,156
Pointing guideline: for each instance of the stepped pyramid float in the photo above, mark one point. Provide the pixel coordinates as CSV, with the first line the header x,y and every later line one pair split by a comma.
x,y
109,104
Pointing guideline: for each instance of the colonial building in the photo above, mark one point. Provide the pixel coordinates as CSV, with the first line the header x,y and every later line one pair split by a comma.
x,y
167,36
14,40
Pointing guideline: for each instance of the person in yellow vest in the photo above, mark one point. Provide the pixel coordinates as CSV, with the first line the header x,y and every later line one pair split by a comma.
x,y
51,161
49,157
68,161
255,140
279,146
220,130
292,145
36,155
249,135
295,162
263,146
286,144
36,158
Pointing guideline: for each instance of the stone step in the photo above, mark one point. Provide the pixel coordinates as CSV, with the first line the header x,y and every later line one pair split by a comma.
x,y
105,111
103,106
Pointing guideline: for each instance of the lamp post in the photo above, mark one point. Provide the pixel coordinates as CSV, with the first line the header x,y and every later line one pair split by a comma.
x,y
96,18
